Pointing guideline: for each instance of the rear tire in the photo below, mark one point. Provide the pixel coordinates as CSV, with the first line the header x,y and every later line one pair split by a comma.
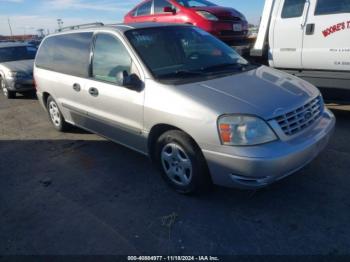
x,y
182,163
56,116
7,93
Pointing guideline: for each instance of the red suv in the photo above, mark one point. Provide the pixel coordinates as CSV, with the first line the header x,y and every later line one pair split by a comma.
x,y
225,23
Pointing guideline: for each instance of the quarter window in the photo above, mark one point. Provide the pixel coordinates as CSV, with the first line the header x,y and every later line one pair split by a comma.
x,y
67,54
110,58
144,9
326,7
293,8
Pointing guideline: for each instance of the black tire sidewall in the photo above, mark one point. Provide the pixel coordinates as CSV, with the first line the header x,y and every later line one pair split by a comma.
x,y
200,175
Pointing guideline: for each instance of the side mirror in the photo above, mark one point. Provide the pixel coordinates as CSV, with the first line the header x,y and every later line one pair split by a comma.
x,y
169,9
132,81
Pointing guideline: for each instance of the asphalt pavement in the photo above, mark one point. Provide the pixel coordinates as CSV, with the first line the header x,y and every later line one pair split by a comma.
x,y
76,193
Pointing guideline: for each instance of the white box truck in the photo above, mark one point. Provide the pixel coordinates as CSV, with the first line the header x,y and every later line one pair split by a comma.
x,y
310,39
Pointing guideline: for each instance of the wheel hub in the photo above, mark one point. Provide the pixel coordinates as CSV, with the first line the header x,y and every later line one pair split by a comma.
x,y
176,164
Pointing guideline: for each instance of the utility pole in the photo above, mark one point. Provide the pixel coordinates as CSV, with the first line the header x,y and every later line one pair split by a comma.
x,y
8,20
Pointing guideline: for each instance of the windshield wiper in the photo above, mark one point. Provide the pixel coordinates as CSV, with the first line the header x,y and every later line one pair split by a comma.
x,y
225,66
182,73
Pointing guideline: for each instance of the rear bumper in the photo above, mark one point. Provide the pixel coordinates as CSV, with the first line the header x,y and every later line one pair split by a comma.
x,y
224,30
265,164
41,99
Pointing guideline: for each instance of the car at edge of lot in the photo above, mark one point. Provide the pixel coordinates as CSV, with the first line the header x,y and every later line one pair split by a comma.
x,y
226,23
16,68
177,94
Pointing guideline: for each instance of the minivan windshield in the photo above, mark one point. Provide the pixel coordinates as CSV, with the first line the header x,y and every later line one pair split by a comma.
x,y
195,3
184,52
16,53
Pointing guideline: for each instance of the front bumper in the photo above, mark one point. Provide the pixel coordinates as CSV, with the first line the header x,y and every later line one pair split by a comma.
x,y
20,85
258,166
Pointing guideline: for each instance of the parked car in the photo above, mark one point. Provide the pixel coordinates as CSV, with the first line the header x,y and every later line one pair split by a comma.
x,y
225,23
16,68
35,42
253,33
201,112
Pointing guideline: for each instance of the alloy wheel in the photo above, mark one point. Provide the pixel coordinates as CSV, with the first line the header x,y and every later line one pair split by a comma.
x,y
176,164
55,113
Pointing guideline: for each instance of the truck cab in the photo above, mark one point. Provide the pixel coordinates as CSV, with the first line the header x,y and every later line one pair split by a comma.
x,y
310,39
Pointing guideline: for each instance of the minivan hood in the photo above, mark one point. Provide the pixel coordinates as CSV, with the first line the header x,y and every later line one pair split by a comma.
x,y
221,12
264,92
25,66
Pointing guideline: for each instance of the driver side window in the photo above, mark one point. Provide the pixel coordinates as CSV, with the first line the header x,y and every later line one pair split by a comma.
x,y
110,58
159,6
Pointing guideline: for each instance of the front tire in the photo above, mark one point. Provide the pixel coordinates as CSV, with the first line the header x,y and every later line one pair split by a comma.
x,y
182,163
56,116
7,93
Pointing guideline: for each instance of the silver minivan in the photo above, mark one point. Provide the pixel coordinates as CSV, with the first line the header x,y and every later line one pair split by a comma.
x,y
175,93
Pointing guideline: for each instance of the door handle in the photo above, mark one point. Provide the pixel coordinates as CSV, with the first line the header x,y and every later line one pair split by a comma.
x,y
76,87
310,29
93,91
154,19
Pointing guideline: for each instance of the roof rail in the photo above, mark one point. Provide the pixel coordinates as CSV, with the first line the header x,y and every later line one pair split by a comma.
x,y
113,24
82,26
119,24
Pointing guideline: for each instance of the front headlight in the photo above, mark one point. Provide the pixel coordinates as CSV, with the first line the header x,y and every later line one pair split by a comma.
x,y
15,74
240,130
207,15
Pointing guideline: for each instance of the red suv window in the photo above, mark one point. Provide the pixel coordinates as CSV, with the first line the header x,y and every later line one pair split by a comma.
x,y
194,3
160,4
144,9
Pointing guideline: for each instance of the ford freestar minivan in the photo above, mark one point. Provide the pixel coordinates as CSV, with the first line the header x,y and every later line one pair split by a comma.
x,y
175,93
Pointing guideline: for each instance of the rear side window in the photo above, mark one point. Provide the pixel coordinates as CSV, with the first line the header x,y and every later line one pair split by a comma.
x,y
144,9
67,54
326,7
110,58
133,12
293,8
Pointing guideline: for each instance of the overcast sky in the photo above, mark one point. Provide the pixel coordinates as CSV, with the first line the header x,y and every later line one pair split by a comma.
x,y
27,16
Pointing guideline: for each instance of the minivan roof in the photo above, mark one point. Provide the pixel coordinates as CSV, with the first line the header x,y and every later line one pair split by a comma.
x,y
121,27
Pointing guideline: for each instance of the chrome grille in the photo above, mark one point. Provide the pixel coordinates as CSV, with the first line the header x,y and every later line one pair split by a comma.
x,y
296,121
